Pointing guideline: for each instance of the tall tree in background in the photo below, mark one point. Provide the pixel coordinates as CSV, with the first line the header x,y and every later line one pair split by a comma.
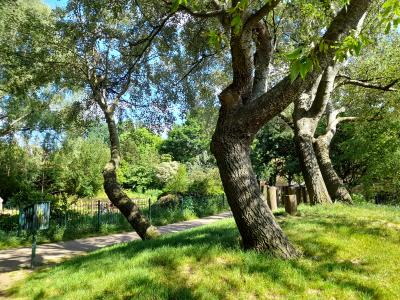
x,y
27,83
110,58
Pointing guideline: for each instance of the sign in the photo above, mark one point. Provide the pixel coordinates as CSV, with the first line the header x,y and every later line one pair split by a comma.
x,y
35,217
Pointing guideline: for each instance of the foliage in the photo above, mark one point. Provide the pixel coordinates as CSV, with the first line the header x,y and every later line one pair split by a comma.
x,y
366,152
185,141
20,168
204,182
178,183
139,149
78,165
166,171
274,152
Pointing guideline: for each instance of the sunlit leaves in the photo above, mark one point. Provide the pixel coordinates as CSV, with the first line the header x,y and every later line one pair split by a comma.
x,y
177,3
390,14
236,12
302,63
351,45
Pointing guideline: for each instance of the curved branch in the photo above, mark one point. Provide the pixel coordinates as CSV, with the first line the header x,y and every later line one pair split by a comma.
x,y
366,83
268,105
261,13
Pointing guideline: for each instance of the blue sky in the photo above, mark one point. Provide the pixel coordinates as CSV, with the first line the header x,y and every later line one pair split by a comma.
x,y
55,3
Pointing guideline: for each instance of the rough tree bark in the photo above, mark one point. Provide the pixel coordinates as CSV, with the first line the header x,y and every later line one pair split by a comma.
x,y
246,106
308,110
323,183
111,186
336,188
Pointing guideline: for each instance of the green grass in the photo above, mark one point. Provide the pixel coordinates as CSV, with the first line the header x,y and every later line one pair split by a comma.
x,y
348,253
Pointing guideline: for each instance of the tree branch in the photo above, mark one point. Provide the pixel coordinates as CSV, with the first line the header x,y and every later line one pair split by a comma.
x,y
261,13
201,14
11,126
366,83
262,59
259,111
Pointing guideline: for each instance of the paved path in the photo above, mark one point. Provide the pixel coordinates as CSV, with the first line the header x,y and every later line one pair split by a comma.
x,y
15,259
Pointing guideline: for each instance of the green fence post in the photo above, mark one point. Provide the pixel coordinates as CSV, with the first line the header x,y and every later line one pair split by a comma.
x,y
98,215
33,249
150,210
182,199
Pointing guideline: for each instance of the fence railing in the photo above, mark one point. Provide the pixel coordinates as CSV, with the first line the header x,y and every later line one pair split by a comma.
x,y
91,215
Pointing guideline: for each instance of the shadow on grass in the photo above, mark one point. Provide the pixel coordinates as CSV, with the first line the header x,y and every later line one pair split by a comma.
x,y
203,246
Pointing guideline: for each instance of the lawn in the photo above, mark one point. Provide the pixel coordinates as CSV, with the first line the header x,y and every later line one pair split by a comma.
x,y
348,253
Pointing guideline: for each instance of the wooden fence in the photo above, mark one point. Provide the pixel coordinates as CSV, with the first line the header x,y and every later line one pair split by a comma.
x,y
288,197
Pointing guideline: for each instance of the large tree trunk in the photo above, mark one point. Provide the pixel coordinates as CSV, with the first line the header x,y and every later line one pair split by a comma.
x,y
254,219
334,183
114,191
309,165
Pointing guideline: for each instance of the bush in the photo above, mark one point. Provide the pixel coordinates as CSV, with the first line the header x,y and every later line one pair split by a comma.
x,y
178,184
205,182
165,171
358,198
168,201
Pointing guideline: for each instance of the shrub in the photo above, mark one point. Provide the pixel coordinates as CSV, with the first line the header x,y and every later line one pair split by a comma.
x,y
178,184
165,171
205,182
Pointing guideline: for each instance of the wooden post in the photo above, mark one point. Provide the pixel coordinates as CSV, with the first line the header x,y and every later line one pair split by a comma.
x,y
290,200
1,204
305,196
271,197
279,196
299,195
264,192
263,183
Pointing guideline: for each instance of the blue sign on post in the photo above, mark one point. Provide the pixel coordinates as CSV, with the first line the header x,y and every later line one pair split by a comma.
x,y
33,218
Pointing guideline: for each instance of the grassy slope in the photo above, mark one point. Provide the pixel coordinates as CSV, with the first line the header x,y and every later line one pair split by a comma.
x,y
349,253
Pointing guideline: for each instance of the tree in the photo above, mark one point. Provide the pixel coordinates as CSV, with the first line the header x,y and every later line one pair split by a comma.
x,y
185,141
274,152
139,149
246,105
25,77
108,51
321,178
76,168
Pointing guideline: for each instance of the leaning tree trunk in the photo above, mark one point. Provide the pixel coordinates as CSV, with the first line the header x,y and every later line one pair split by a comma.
x,y
309,166
334,183
114,191
254,219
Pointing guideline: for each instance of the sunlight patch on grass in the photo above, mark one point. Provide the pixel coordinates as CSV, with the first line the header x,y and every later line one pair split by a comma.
x,y
349,253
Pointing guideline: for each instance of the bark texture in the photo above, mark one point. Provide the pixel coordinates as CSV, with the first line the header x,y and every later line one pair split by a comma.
x,y
254,219
246,106
114,191
309,108
334,184
314,181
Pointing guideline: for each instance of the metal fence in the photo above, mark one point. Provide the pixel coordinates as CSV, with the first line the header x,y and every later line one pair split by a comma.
x,y
92,215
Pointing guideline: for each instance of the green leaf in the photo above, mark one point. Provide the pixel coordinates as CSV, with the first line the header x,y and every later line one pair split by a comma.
x,y
305,67
388,27
175,5
295,54
236,23
295,70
